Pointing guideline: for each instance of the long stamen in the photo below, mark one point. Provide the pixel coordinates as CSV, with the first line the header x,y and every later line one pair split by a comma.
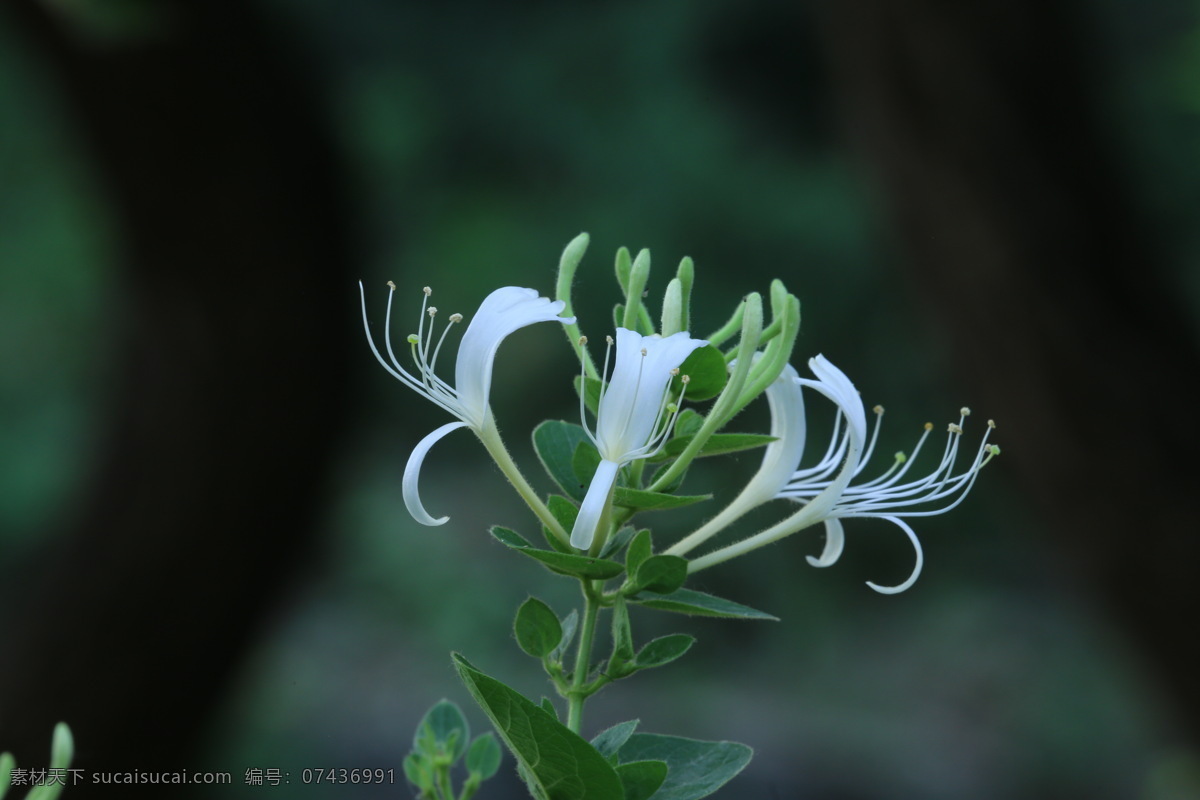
x,y
583,389
449,324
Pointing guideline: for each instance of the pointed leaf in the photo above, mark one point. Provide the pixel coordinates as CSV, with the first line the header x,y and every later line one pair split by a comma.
x,y
584,462
537,628
483,757
642,779
707,374
622,636
659,574
556,762
547,705
609,741
663,650
569,623
689,601
696,769
616,542
563,563
555,442
641,500
640,549
565,512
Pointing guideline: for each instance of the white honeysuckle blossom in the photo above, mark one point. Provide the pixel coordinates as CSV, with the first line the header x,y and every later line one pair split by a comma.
x,y
629,416
502,312
826,490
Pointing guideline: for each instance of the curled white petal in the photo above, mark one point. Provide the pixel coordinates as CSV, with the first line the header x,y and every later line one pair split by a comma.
x,y
916,572
412,471
593,505
501,313
835,542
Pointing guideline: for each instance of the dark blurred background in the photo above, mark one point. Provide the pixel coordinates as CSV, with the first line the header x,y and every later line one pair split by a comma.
x,y
206,561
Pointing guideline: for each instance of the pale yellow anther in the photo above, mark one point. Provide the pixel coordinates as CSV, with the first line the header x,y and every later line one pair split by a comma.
x,y
432,311
928,426
427,291
392,286
966,412
992,424
675,371
954,427
608,339
456,318
582,340
878,409
686,379
643,352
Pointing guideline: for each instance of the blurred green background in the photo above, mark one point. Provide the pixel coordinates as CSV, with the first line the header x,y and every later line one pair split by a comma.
x,y
461,146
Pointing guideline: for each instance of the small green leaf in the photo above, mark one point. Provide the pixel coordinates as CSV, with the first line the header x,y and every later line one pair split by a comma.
x,y
547,705
641,500
584,462
590,388
642,779
537,628
483,757
609,741
659,574
577,566
640,549
696,769
448,727
622,635
569,623
688,423
706,372
416,769
663,650
555,442
555,761
616,542
565,512
717,444
689,601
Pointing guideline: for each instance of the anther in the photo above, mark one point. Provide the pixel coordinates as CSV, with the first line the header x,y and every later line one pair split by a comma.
x,y
432,311
992,424
643,352
674,371
966,412
392,285
582,340
608,339
954,427
427,291
686,379
456,318
928,426
878,410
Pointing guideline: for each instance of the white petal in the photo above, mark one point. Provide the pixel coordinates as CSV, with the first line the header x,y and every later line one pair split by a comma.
x,y
412,471
593,505
505,310
629,408
912,537
781,458
835,542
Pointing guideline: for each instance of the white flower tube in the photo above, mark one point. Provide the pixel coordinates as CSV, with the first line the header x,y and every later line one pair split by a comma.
x,y
502,312
629,417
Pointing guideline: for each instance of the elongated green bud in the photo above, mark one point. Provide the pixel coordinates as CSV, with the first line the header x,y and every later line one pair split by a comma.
x,y
674,313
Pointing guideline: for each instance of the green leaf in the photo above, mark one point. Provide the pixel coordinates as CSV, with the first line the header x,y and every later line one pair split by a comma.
x,y
663,650
537,628
659,574
699,604
616,542
557,763
569,623
555,442
547,705
640,549
688,423
641,500
448,727
717,444
584,462
642,779
696,769
484,756
565,512
622,635
707,374
609,741
577,566
417,770
590,388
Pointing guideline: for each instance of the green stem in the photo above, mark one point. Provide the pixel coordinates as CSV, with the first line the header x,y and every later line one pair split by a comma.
x,y
583,658
490,437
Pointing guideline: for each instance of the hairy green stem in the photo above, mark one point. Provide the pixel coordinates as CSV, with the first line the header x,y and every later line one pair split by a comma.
x,y
490,436
578,692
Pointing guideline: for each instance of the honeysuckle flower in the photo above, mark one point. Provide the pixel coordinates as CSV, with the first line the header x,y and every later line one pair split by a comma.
x,y
502,312
629,417
828,495
785,399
